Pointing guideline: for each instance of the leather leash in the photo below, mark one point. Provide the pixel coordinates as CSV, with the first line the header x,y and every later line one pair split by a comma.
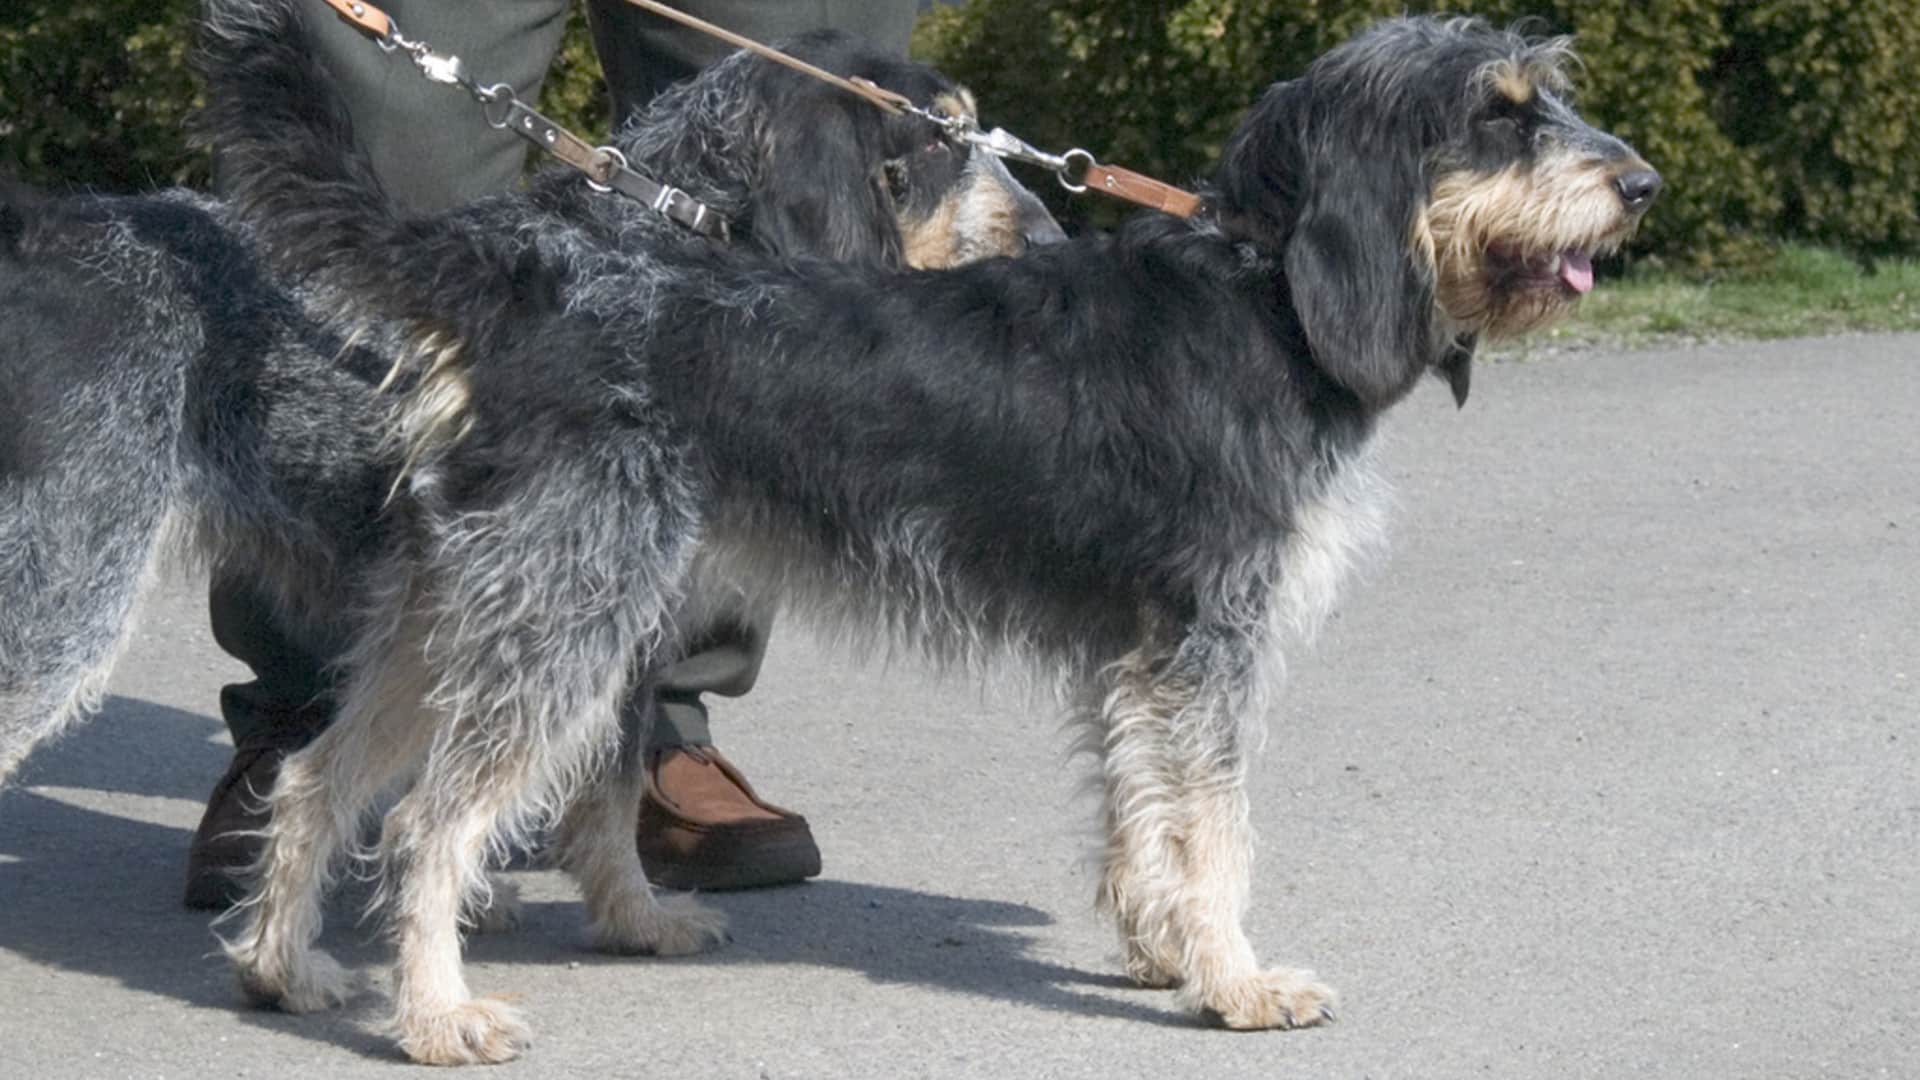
x,y
1077,170
1137,188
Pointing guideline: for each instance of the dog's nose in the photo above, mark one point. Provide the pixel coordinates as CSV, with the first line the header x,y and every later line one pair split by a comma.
x,y
1637,188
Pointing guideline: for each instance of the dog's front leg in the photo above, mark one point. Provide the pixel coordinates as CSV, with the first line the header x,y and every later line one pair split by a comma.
x,y
1222,976
1179,843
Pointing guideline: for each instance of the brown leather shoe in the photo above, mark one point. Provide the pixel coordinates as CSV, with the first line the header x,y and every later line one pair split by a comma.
x,y
228,839
702,827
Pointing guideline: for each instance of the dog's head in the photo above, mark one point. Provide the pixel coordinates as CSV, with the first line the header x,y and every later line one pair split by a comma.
x,y
1426,185
847,180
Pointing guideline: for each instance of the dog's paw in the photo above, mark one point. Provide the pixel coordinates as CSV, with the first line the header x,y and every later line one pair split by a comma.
x,y
660,925
482,1031
500,914
1280,998
310,981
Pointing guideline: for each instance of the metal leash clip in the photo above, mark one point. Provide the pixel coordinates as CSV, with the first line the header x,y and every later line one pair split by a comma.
x,y
438,68
1003,143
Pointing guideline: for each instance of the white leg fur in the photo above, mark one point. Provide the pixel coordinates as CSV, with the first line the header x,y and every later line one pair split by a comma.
x,y
1179,847
318,799
437,1019
596,846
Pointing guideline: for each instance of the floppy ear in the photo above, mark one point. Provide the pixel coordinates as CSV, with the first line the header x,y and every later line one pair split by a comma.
x,y
1363,294
821,192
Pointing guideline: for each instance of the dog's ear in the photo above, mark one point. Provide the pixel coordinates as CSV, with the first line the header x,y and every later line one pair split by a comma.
x,y
1256,187
1335,199
822,192
1362,294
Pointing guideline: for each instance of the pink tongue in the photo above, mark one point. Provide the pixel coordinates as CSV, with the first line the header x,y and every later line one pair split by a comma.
x,y
1576,269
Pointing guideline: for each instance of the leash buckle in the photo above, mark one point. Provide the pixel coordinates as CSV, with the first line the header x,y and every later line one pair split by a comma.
x,y
616,162
1070,167
446,70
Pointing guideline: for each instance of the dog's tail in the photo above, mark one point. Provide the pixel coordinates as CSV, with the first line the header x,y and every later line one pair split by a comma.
x,y
286,157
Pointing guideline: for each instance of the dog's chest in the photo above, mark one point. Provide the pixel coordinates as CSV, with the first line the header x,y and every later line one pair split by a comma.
x,y
1333,529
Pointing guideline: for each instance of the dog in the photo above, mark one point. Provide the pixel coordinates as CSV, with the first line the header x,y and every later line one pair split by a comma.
x,y
170,396
1136,463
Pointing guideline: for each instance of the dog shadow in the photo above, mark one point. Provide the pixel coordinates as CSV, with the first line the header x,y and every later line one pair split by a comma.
x,y
97,891
890,936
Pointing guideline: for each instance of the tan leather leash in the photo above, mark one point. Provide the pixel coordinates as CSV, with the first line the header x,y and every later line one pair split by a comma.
x,y
884,98
1091,175
1077,170
606,168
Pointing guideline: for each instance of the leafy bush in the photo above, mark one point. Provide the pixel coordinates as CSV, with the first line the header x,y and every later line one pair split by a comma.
x,y
1776,119
1829,97
1772,119
94,94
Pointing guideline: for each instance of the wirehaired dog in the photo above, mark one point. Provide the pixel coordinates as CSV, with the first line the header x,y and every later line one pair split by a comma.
x,y
166,393
1136,462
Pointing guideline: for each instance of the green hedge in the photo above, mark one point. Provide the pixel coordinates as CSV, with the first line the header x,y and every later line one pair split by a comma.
x,y
1779,119
1772,119
95,93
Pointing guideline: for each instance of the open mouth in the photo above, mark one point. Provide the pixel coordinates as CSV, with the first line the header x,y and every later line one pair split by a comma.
x,y
1570,270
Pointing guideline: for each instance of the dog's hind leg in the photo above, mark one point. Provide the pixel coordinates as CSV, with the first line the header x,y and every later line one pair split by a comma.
x,y
1179,842
484,776
595,842
318,800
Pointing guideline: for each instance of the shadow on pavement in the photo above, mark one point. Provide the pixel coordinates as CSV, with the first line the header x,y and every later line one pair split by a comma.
x,y
90,891
888,935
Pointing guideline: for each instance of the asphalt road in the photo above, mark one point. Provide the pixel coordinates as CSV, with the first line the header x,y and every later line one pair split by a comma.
x,y
1612,769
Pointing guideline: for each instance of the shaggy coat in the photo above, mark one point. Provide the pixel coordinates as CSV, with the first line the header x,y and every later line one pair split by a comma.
x,y
1136,462
169,395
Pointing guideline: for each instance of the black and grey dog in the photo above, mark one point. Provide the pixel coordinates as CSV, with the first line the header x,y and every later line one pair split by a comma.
x,y
1136,462
167,394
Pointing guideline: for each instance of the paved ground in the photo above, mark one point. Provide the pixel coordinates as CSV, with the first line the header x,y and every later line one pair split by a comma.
x,y
1612,770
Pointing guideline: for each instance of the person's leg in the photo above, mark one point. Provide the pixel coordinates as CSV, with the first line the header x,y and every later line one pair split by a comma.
x,y
432,149
285,705
430,144
702,826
